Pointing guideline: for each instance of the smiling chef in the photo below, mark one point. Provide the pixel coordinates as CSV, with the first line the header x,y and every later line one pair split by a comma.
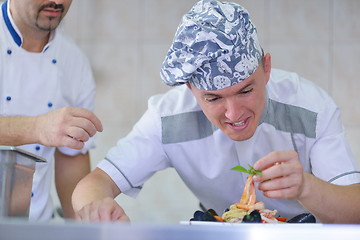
x,y
228,107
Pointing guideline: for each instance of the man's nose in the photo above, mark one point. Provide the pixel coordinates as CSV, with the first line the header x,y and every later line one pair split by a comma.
x,y
232,110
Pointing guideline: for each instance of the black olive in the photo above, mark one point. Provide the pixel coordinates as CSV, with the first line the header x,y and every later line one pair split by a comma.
x,y
203,216
208,217
303,218
253,217
212,212
198,216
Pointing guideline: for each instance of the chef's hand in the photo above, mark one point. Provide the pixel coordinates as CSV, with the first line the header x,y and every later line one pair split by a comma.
x,y
67,127
282,175
105,210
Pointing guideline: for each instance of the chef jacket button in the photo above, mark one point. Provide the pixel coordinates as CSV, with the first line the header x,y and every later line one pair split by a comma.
x,y
50,104
37,148
32,194
8,98
9,51
54,61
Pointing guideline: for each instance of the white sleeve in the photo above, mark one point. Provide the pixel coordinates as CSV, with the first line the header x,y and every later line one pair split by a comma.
x,y
331,157
138,156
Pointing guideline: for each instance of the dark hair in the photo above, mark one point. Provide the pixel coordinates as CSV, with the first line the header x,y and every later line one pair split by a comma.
x,y
262,58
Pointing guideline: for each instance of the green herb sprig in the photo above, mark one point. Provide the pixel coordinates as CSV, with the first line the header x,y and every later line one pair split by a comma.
x,y
250,171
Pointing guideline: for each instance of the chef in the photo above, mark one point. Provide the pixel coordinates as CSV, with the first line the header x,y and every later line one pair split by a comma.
x,y
229,107
47,96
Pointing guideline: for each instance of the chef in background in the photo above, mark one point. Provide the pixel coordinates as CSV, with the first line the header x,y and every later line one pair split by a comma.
x,y
47,94
229,107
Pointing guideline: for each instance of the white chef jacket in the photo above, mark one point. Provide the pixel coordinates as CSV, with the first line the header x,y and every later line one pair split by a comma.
x,y
36,83
174,132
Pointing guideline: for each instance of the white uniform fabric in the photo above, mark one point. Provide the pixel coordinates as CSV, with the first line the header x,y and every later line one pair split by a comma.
x,y
175,133
36,83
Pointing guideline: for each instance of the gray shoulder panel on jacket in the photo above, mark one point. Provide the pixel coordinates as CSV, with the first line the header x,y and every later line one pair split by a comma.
x,y
289,118
186,127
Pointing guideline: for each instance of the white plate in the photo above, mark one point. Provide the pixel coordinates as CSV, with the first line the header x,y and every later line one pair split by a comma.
x,y
209,223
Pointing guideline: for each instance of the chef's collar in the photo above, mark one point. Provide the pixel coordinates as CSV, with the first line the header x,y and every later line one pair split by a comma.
x,y
14,31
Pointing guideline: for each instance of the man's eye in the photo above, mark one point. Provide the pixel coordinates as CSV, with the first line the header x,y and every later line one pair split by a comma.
x,y
211,99
247,91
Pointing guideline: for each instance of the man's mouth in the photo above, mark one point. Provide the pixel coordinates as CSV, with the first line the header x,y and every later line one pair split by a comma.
x,y
53,7
238,124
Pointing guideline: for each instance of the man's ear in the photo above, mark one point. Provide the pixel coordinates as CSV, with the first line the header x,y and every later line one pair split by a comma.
x,y
267,66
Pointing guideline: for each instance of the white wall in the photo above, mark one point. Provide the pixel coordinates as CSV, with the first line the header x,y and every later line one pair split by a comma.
x,y
126,42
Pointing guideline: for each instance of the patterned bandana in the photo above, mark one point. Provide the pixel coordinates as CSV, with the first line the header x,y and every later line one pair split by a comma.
x,y
215,46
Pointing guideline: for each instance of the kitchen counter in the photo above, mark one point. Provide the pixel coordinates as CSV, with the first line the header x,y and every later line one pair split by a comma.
x,y
13,229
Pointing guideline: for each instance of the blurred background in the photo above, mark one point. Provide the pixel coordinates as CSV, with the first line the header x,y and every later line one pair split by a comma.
x,y
127,40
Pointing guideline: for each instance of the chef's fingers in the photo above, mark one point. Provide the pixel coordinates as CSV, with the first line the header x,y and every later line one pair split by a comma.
x,y
291,169
77,217
87,128
71,142
105,212
292,181
274,158
94,215
123,218
84,113
285,193
83,214
82,217
101,212
110,210
119,215
94,212
77,133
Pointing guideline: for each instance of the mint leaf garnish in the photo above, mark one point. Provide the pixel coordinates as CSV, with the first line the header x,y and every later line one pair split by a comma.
x,y
250,171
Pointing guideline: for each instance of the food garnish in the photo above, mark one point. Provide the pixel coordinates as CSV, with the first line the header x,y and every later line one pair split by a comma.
x,y
250,171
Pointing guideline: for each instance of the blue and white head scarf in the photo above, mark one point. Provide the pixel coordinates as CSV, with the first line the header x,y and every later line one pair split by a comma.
x,y
215,46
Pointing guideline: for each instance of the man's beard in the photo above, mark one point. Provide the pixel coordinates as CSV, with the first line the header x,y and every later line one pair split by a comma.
x,y
52,24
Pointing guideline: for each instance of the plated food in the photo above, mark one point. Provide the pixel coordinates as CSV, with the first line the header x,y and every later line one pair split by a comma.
x,y
248,209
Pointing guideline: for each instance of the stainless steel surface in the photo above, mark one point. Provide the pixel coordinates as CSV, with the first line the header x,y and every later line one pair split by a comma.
x,y
17,168
111,231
